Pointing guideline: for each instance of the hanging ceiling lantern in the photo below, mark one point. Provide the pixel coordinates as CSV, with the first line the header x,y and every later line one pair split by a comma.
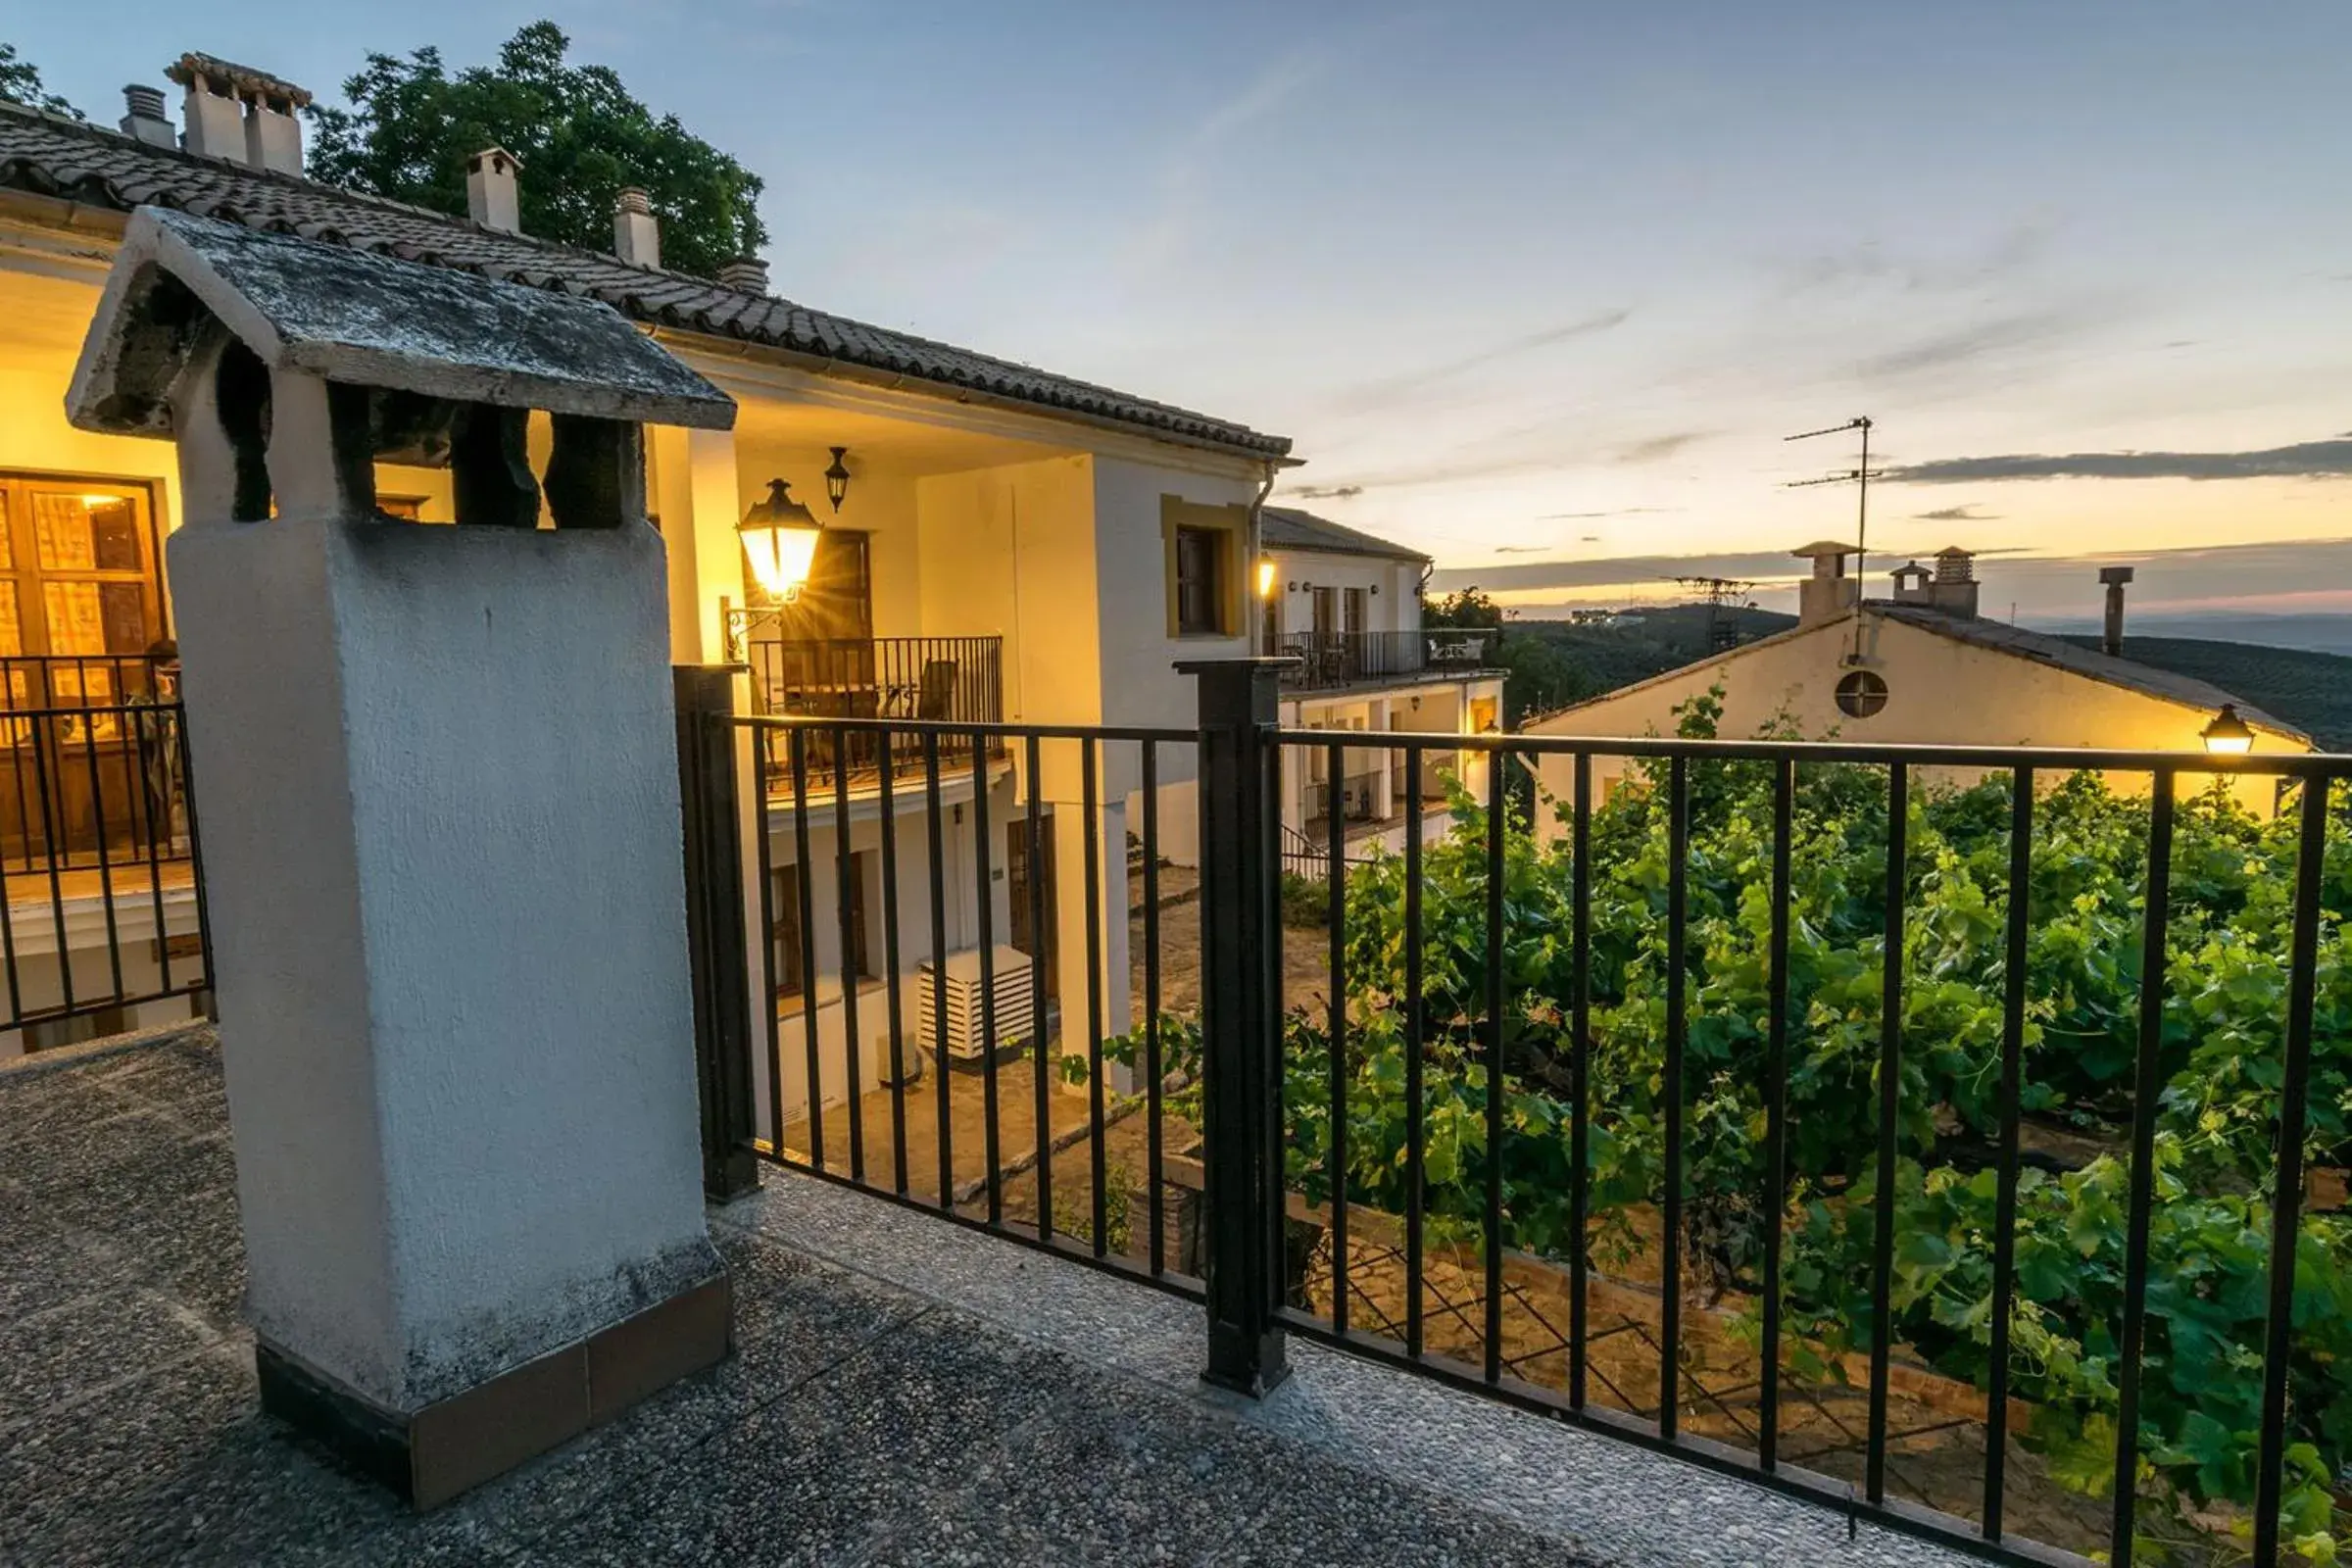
x,y
837,478
2228,735
779,537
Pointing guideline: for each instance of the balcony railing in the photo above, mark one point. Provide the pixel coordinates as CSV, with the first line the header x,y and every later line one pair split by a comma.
x,y
1331,660
1951,1135
941,680
89,761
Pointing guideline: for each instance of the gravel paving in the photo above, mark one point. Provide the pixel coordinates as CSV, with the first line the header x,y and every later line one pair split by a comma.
x,y
905,1392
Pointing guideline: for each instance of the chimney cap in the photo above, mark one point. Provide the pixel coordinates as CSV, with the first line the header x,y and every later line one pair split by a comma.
x,y
748,274
473,161
1820,548
2115,575
140,98
634,199
241,80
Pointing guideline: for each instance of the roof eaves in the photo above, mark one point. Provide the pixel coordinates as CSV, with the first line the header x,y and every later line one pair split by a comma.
x,y
218,188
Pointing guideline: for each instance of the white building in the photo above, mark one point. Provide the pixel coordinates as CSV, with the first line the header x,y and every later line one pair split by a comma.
x,y
1001,543
1346,605
1924,668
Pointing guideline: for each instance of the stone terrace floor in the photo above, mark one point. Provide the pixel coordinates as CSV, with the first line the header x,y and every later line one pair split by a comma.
x,y
905,1392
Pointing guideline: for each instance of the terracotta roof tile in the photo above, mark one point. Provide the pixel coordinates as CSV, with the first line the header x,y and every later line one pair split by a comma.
x,y
53,156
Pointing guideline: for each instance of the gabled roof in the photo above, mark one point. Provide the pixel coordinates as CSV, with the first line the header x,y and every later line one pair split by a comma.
x,y
53,156
1288,528
1996,636
2044,649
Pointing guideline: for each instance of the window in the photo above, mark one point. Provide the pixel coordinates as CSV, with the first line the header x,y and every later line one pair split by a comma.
x,y
1861,694
1200,582
77,580
784,931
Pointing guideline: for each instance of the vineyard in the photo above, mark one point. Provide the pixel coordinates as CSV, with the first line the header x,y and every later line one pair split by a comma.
x,y
2223,1009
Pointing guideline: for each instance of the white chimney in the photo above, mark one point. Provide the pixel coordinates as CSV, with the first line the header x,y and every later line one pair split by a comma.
x,y
233,112
1828,593
1954,590
746,273
144,119
636,231
493,190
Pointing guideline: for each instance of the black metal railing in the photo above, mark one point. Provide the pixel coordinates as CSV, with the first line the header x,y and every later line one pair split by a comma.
x,y
104,906
939,681
1928,1132
1330,660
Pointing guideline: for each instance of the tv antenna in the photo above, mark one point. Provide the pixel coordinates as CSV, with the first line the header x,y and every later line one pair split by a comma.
x,y
1859,476
1718,594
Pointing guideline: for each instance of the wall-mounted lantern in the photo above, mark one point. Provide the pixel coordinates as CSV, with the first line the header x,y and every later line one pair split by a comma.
x,y
837,479
1265,576
2228,735
779,536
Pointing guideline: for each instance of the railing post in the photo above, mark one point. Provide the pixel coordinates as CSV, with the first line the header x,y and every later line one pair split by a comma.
x,y
714,934
1240,1020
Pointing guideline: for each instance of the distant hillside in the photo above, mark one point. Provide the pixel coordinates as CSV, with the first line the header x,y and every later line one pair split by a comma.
x,y
1556,662
2311,691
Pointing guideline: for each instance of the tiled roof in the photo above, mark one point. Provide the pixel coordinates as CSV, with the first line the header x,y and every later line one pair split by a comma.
x,y
1288,528
2042,648
56,157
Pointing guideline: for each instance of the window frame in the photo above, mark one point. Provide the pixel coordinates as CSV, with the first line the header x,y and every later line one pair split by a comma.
x,y
1221,531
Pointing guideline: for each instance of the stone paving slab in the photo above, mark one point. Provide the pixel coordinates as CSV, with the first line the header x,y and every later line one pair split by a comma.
x,y
905,1392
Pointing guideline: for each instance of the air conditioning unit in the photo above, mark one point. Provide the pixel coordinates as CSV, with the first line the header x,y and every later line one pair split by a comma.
x,y
1016,1007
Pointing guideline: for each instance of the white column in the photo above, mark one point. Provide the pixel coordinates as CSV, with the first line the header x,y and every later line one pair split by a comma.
x,y
697,495
1384,791
442,856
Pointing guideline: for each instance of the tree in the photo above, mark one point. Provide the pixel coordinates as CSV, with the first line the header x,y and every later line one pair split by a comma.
x,y
20,82
581,137
1466,608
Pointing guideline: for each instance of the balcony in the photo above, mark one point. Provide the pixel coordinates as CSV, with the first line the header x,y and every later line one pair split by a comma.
x,y
941,680
1334,661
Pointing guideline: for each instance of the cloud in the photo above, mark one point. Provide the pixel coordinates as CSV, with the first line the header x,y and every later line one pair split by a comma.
x,y
1962,345
1188,187
2326,460
1658,448
1955,515
1871,263
1389,391
2274,578
1621,511
1326,492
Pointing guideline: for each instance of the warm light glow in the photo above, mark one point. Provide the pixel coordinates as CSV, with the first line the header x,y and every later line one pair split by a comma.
x,y
1265,577
779,541
2228,734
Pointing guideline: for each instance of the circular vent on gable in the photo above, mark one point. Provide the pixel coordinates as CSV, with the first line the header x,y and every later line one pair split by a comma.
x,y
1860,694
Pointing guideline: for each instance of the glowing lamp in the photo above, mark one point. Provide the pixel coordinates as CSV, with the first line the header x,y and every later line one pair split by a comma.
x,y
1265,576
779,538
2228,735
837,478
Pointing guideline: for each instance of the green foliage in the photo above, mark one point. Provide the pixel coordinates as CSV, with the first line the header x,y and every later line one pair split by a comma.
x,y
581,137
20,82
1305,901
1074,1208
2221,1070
1467,609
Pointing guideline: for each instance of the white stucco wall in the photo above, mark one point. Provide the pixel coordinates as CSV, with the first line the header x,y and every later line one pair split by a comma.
x,y
441,831
1395,606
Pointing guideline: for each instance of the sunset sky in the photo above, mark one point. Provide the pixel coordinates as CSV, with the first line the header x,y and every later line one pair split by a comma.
x,y
1544,284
